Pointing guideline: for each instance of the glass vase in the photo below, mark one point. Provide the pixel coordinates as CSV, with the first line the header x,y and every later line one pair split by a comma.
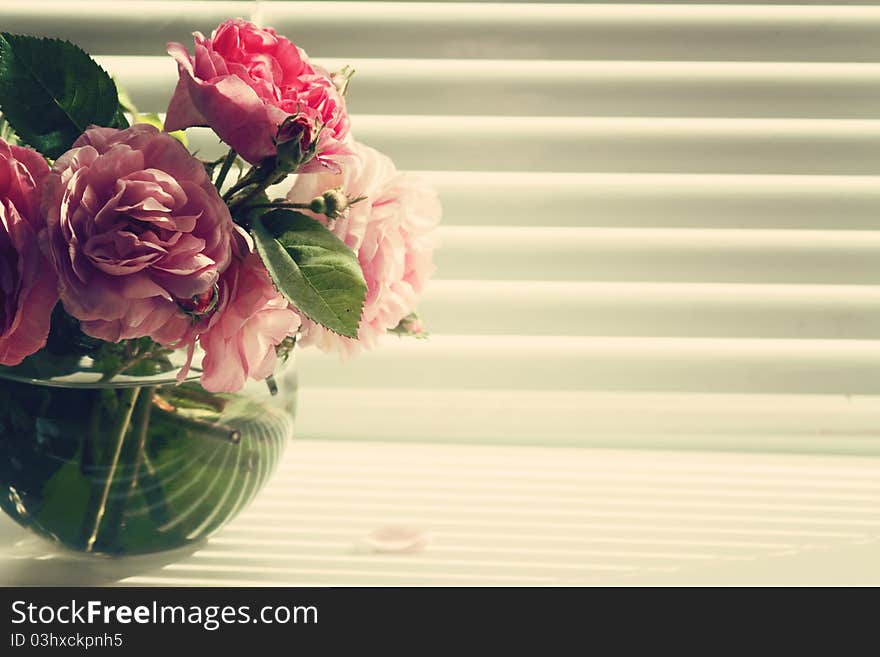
x,y
139,464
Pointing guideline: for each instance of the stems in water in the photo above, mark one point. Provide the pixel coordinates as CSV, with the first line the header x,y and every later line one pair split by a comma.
x,y
128,401
142,427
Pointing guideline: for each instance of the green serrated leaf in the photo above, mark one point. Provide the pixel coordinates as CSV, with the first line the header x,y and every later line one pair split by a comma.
x,y
51,91
313,268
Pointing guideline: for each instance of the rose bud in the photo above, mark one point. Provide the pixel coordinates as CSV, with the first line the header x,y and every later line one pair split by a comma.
x,y
244,82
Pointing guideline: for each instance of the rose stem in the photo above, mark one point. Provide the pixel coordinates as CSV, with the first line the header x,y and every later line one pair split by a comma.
x,y
203,428
250,178
143,426
132,454
194,395
262,186
224,170
87,457
278,204
109,376
129,399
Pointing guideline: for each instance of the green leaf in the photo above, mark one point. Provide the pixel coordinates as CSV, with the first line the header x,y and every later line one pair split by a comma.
x,y
45,365
406,328
51,91
313,268
119,121
7,134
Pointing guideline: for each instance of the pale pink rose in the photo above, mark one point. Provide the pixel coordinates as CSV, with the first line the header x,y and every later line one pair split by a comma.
x,y
135,231
244,81
28,287
251,319
392,233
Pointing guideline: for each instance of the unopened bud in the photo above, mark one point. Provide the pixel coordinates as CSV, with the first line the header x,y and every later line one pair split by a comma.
x,y
317,205
293,143
336,203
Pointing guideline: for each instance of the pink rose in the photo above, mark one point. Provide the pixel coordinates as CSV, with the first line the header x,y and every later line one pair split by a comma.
x,y
245,81
392,233
135,231
251,319
28,287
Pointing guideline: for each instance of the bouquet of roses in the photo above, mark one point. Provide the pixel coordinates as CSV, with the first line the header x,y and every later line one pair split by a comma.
x,y
157,255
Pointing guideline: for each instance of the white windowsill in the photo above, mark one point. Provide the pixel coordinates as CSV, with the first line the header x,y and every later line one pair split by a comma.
x,y
520,516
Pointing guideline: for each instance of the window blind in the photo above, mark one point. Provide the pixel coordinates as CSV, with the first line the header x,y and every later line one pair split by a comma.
x,y
660,219
659,232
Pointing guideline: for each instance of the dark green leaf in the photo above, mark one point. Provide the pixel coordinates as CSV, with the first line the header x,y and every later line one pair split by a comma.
x,y
51,91
313,268
44,365
65,346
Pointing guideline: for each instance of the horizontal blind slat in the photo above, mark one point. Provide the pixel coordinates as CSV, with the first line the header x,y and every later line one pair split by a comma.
x,y
133,27
478,30
596,31
577,88
614,144
613,88
658,200
748,422
659,255
652,309
520,362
